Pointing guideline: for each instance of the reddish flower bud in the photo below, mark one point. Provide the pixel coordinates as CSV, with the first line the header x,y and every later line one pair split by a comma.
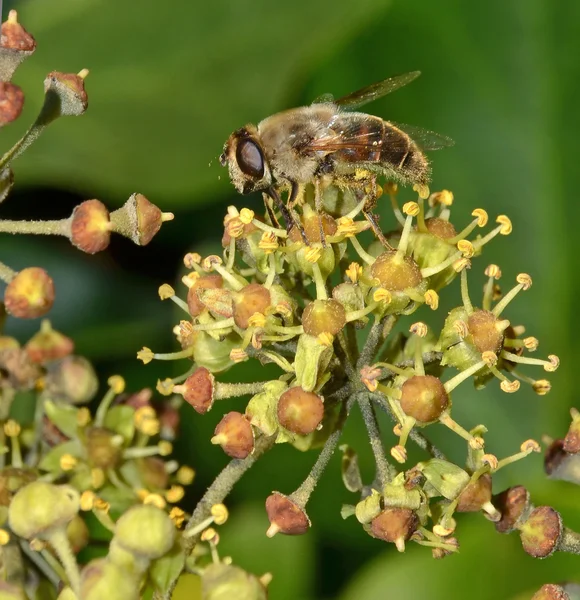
x,y
323,316
424,398
72,380
394,525
487,337
440,228
285,516
70,89
30,294
254,298
299,411
514,506
206,282
198,390
11,102
48,345
14,36
139,219
541,532
551,591
396,273
90,226
235,435
102,451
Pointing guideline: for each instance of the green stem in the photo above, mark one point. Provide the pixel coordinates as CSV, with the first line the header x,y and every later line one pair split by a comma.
x,y
59,541
59,227
570,541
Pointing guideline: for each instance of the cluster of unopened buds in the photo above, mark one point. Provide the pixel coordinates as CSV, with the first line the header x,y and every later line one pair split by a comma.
x,y
324,301
30,292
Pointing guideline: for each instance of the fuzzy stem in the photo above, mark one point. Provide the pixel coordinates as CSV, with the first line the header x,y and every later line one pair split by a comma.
x,y
377,334
6,273
233,390
59,541
570,541
60,227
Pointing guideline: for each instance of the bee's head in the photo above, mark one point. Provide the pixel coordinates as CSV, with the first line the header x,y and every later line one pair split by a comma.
x,y
247,165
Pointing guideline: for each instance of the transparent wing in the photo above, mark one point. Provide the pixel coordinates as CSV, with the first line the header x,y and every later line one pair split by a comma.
x,y
376,90
323,99
425,139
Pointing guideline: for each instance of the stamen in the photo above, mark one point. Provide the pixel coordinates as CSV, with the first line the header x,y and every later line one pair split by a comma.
x,y
361,252
549,365
524,283
319,282
411,209
465,293
480,220
462,376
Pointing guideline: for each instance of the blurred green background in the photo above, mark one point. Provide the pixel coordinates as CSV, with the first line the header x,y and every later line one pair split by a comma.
x,y
170,81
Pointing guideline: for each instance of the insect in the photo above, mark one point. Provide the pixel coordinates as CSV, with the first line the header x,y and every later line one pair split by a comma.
x,y
329,143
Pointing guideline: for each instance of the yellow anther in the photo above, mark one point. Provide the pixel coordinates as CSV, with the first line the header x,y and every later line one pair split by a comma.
x,y
313,254
490,460
238,355
489,358
325,339
268,242
165,386
346,227
142,494
177,516
531,343
466,248
481,215
155,500
509,387
185,475
165,291
210,535
145,355
553,365
257,320
461,329
210,262
354,271
530,446
493,271
283,308
398,429
4,537
444,197
462,263
101,505
165,448
541,387
235,227
506,224
87,500
220,514
143,415
442,530
68,462
382,295
419,329
246,216
525,280
432,299
476,443
116,383
399,453
190,259
411,209
97,478
83,416
422,190
190,278
174,494
12,428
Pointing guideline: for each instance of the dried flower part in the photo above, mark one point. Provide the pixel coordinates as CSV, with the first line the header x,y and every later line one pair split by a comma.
x,y
235,435
551,591
72,380
90,226
251,299
220,581
311,226
300,411
483,326
139,219
514,506
145,530
198,390
18,369
30,294
206,282
103,451
475,495
48,345
11,102
285,516
541,532
424,398
324,316
395,525
440,228
395,272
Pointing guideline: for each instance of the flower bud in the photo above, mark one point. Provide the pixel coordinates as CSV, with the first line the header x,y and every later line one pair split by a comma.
x,y
72,380
443,478
475,494
211,353
139,219
90,226
11,102
145,530
551,591
206,282
285,516
424,398
102,450
102,578
251,299
541,532
77,533
220,581
69,88
30,294
299,411
323,316
235,435
40,507
48,345
16,44
394,525
395,272
198,390
514,505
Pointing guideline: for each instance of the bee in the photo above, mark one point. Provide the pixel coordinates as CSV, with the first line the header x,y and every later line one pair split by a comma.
x,y
330,143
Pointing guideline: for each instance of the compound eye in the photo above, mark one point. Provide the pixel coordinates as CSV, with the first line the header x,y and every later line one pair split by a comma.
x,y
250,159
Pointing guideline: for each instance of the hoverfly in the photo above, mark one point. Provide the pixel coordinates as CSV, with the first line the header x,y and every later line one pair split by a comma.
x,y
328,143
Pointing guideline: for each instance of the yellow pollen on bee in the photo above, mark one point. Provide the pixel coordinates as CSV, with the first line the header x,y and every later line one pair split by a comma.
x,y
506,224
466,248
432,299
481,216
493,271
165,291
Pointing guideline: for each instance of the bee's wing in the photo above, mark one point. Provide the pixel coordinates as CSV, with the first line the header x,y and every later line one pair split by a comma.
x,y
425,139
324,99
375,91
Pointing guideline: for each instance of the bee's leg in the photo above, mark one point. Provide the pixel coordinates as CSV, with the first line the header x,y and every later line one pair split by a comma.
x,y
289,215
273,220
318,207
292,198
371,217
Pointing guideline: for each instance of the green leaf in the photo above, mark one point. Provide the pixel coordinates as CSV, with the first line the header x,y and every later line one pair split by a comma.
x,y
120,420
51,460
63,416
165,569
